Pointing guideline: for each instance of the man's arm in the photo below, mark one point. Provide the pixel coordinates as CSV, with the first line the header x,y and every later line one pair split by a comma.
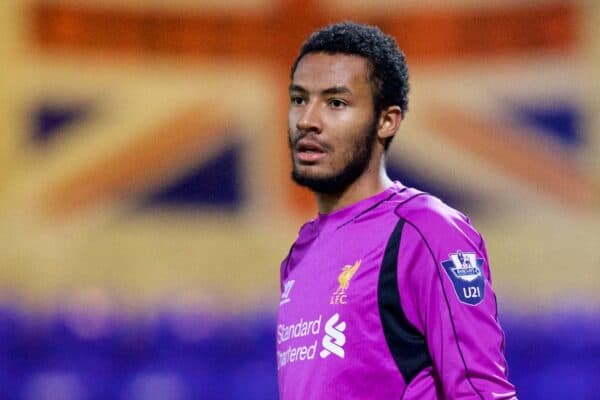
x,y
445,288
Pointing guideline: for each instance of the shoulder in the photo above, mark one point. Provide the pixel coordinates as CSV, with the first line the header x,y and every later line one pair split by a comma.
x,y
438,240
435,222
306,235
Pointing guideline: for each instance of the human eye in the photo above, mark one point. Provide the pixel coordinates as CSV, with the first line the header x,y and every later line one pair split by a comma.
x,y
296,100
337,103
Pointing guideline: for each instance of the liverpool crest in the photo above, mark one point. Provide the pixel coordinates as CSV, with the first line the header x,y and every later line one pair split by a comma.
x,y
348,271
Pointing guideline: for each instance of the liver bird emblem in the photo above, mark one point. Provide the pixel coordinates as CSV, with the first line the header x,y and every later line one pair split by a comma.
x,y
346,275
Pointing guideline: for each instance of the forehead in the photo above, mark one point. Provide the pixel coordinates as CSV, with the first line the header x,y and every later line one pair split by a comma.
x,y
318,71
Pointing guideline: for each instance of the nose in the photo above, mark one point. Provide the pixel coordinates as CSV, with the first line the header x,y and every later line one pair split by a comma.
x,y
309,120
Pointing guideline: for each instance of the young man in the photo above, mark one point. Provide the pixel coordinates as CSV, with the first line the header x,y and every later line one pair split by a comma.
x,y
386,293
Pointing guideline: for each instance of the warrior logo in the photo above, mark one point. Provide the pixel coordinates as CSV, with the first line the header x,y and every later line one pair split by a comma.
x,y
464,270
287,288
334,338
348,271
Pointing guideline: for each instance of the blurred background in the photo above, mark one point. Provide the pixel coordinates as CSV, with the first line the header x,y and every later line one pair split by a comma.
x,y
145,200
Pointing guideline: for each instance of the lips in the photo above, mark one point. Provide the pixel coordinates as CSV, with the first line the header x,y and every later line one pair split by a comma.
x,y
309,151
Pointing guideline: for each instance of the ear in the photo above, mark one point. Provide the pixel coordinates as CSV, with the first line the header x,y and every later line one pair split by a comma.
x,y
389,122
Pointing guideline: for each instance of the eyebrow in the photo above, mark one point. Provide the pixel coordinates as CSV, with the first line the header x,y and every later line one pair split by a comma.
x,y
328,91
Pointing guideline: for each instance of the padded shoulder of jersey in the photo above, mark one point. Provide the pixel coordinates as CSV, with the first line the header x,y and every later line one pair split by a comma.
x,y
435,220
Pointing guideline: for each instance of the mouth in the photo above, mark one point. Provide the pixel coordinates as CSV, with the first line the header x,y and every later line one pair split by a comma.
x,y
309,152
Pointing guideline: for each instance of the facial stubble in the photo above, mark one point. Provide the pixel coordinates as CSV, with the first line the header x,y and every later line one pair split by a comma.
x,y
361,151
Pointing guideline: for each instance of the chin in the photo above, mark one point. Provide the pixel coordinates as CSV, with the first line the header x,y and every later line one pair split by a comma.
x,y
312,173
320,183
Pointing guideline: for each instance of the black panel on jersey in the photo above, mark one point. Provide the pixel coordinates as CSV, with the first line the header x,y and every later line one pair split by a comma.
x,y
406,343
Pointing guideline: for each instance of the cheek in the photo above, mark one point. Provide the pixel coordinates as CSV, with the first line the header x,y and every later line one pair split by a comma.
x,y
291,128
292,117
342,153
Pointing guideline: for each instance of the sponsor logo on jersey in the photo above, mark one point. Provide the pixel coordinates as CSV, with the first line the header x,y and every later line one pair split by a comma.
x,y
298,341
285,295
334,338
348,271
464,270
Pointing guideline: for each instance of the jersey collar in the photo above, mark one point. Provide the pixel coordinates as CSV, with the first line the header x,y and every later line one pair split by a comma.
x,y
346,214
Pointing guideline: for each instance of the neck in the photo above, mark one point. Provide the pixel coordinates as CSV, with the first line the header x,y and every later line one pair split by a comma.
x,y
372,181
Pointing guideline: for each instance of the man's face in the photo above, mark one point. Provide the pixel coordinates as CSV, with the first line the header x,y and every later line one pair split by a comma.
x,y
331,123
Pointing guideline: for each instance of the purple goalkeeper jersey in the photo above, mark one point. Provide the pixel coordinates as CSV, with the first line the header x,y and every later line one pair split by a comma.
x,y
390,298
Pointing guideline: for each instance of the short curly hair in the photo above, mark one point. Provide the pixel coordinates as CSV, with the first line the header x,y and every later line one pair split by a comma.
x,y
388,69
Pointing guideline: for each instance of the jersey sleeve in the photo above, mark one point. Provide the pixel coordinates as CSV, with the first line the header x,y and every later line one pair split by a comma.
x,y
445,289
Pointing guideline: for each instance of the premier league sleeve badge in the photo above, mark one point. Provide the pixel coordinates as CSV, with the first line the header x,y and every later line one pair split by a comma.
x,y
464,270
